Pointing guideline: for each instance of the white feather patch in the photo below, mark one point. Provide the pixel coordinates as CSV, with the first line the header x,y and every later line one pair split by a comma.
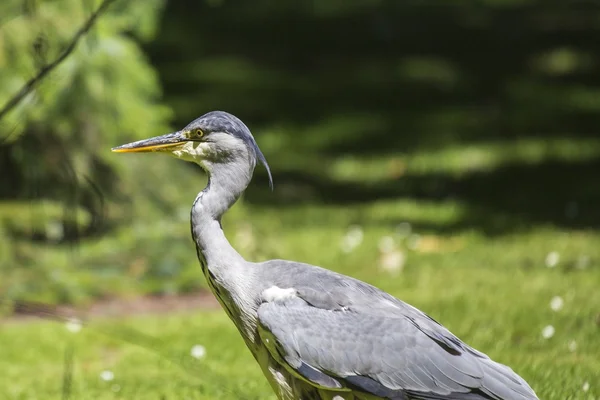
x,y
192,151
275,293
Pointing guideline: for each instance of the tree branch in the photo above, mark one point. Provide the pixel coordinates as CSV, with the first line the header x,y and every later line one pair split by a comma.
x,y
49,67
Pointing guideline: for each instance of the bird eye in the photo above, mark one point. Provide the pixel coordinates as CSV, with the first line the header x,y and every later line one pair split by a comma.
x,y
198,132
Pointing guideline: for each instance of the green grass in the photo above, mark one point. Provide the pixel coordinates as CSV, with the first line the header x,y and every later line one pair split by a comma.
x,y
158,366
478,267
495,293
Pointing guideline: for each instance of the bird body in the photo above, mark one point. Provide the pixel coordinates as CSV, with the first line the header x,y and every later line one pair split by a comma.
x,y
315,333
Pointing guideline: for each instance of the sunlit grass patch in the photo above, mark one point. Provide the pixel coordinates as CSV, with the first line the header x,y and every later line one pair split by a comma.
x,y
464,158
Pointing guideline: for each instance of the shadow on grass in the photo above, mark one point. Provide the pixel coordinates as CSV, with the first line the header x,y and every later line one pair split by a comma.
x,y
428,74
433,73
509,198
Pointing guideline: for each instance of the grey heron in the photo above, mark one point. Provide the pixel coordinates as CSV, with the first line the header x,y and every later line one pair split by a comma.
x,y
317,334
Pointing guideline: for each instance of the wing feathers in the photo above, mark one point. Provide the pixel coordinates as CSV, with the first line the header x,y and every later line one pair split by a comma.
x,y
371,386
317,376
392,358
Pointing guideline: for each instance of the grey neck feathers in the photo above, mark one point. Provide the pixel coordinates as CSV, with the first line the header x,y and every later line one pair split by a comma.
x,y
224,267
227,181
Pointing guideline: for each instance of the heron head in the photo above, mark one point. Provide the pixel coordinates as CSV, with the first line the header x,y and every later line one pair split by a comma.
x,y
214,138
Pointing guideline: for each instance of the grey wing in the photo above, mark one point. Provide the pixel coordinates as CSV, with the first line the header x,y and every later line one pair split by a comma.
x,y
390,358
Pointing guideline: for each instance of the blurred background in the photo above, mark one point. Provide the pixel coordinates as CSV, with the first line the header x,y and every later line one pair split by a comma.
x,y
447,153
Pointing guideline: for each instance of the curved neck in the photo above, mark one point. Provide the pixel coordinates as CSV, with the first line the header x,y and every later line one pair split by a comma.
x,y
226,272
226,183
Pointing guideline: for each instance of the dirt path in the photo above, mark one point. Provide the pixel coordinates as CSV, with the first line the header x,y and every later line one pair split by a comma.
x,y
117,307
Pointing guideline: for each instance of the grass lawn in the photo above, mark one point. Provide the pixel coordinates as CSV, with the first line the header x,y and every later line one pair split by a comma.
x,y
494,293
511,276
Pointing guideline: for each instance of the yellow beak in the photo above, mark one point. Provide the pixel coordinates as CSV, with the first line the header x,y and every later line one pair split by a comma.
x,y
158,143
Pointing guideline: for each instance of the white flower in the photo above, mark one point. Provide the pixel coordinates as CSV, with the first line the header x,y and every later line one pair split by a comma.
x,y
107,375
586,386
572,345
552,259
557,303
548,332
73,325
198,351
